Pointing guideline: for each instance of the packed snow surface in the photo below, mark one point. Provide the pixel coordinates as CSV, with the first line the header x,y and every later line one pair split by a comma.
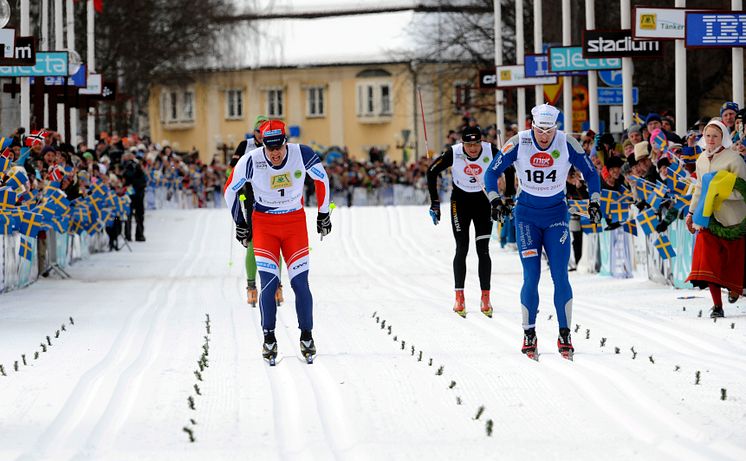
x,y
427,384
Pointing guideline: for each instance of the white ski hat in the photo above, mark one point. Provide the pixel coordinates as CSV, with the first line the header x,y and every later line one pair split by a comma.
x,y
545,116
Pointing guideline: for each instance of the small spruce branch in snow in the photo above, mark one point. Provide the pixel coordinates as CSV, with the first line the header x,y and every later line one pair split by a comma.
x,y
412,351
383,324
732,326
458,400
700,313
374,314
651,360
676,368
395,338
587,334
403,343
196,389
488,427
63,327
57,334
190,402
430,362
683,308
577,327
43,347
72,322
550,317
419,357
452,385
198,375
15,365
194,423
480,410
389,329
603,342
23,357
49,341
697,375
2,370
378,319
36,355
190,433
440,371
616,350
634,353
723,394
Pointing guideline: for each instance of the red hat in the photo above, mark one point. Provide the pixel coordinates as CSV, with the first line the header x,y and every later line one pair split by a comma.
x,y
274,133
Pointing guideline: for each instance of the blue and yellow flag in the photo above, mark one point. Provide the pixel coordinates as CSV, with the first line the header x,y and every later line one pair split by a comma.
x,y
577,207
607,198
648,220
678,184
630,227
61,224
8,197
30,223
690,154
716,187
16,179
588,227
25,249
654,200
619,212
665,249
6,223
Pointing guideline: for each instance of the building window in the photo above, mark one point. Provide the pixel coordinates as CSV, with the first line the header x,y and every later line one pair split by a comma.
x,y
275,103
462,99
188,115
234,104
315,102
174,112
374,99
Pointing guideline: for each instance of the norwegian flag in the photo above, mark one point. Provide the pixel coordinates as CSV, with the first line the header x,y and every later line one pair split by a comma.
x,y
38,136
98,5
56,174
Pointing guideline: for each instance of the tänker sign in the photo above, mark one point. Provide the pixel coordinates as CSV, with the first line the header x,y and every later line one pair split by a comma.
x,y
618,44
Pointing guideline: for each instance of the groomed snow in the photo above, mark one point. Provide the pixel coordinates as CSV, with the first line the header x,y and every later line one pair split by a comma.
x,y
114,386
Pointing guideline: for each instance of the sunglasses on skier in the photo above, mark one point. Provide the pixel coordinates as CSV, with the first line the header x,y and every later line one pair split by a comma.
x,y
544,130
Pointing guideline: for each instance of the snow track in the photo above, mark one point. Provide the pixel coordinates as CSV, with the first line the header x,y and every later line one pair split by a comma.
x,y
115,385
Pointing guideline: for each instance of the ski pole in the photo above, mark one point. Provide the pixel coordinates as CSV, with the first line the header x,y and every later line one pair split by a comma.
x,y
230,240
424,125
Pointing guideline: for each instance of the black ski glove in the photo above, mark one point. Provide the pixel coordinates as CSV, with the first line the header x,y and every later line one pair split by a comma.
x,y
501,210
323,224
435,212
244,234
642,204
594,212
613,225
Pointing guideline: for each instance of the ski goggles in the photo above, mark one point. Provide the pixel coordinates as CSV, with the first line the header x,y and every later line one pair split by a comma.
x,y
541,130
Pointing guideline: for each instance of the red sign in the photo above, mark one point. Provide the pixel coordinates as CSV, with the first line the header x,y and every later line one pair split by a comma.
x,y
472,169
541,160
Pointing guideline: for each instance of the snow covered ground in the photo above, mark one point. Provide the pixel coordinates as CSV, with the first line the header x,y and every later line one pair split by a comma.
x,y
115,385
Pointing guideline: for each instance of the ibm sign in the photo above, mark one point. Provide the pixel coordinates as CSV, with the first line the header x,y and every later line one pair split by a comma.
x,y
715,29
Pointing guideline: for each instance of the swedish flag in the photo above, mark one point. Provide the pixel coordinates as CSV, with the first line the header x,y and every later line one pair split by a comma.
x,y
30,223
588,227
647,220
608,197
6,223
57,199
61,224
690,154
630,227
660,189
16,179
619,212
676,167
5,163
654,200
8,197
577,207
665,249
25,249
678,184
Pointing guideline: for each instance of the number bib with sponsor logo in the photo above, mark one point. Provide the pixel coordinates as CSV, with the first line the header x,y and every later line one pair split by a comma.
x,y
468,175
280,189
542,172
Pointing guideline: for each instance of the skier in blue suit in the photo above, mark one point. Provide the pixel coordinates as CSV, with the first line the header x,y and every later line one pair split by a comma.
x,y
542,157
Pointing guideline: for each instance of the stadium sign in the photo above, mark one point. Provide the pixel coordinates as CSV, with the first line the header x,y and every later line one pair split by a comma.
x,y
618,44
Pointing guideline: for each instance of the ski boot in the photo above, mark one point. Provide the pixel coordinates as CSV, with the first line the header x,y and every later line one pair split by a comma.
x,y
486,305
251,295
459,306
564,344
278,295
269,348
717,312
307,346
529,344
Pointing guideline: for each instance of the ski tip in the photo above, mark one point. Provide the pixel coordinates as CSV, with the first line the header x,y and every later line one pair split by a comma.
x,y
567,355
487,314
271,362
461,314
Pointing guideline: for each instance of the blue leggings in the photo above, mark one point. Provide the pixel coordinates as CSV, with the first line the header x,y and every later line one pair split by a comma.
x,y
547,229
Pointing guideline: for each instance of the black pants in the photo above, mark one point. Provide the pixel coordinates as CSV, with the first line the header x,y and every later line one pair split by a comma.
x,y
468,207
137,208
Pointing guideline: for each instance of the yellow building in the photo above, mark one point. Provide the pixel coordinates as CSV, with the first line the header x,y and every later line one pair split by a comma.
x,y
360,106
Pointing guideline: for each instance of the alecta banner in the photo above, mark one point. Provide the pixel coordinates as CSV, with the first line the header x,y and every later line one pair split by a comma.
x,y
570,58
618,44
715,29
659,23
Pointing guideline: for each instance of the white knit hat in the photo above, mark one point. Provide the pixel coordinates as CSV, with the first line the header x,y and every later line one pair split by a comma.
x,y
545,116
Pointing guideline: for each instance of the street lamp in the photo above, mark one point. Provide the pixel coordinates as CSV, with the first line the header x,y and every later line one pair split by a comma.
x,y
4,13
